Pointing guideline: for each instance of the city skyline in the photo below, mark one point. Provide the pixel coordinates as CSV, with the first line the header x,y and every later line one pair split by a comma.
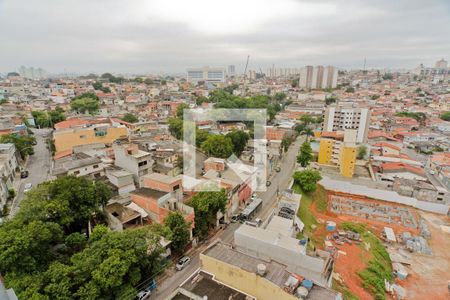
x,y
170,36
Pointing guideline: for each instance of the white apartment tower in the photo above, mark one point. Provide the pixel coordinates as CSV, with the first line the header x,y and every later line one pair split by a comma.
x,y
349,116
206,74
318,77
441,64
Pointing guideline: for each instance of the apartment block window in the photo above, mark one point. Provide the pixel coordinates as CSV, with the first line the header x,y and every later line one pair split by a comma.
x,y
142,163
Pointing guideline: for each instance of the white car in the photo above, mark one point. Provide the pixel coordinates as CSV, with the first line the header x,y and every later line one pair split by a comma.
x,y
142,295
182,263
28,187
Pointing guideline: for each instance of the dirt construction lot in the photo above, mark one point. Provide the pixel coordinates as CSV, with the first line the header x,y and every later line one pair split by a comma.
x,y
429,274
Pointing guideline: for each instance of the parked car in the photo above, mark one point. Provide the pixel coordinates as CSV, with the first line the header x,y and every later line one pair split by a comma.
x,y
28,187
234,218
24,174
145,294
182,263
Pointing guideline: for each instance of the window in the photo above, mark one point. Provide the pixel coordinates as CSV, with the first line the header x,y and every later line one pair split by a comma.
x,y
142,163
95,166
82,136
76,172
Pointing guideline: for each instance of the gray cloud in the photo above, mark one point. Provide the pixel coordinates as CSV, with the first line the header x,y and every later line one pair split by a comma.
x,y
139,36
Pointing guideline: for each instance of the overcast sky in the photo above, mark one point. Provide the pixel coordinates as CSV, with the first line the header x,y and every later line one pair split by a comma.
x,y
148,36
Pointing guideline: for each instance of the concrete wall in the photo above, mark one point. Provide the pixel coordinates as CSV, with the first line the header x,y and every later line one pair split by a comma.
x,y
312,266
248,282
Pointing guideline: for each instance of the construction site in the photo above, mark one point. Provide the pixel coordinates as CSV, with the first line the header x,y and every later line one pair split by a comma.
x,y
369,209
355,229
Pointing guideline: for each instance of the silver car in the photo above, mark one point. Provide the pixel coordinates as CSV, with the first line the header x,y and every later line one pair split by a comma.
x,y
182,263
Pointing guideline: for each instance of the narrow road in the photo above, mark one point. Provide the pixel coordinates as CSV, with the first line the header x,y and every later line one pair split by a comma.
x,y
38,166
279,181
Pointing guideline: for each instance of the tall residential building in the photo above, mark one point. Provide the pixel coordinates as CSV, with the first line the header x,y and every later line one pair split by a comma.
x,y
231,70
340,153
207,74
441,64
340,117
31,73
318,77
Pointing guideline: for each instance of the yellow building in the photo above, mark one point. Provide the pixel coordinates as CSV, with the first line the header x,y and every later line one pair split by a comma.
x,y
325,151
347,160
262,279
66,139
342,154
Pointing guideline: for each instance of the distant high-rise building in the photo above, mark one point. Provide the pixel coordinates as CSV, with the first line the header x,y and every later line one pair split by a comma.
x,y
441,64
341,117
206,74
231,70
31,73
319,77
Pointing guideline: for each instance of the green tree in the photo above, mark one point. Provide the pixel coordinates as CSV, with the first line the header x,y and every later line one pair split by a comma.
x,y
286,142
206,205
87,95
176,127
130,118
307,179
201,136
218,146
330,99
68,201
25,246
305,154
23,144
239,139
350,90
387,76
180,110
445,116
83,105
279,96
179,230
48,119
148,81
362,151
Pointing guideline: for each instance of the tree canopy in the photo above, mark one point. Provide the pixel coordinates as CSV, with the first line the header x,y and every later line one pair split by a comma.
x,y
239,140
44,119
307,179
305,154
445,116
130,118
179,231
206,205
218,146
43,255
23,144
83,105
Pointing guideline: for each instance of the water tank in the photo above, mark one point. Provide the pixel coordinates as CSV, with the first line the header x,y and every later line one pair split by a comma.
x,y
261,269
302,292
331,226
307,284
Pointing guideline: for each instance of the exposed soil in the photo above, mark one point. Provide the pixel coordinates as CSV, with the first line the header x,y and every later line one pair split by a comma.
x,y
429,275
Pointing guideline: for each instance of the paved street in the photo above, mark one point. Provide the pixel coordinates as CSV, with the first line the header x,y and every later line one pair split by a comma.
x,y
279,181
38,166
